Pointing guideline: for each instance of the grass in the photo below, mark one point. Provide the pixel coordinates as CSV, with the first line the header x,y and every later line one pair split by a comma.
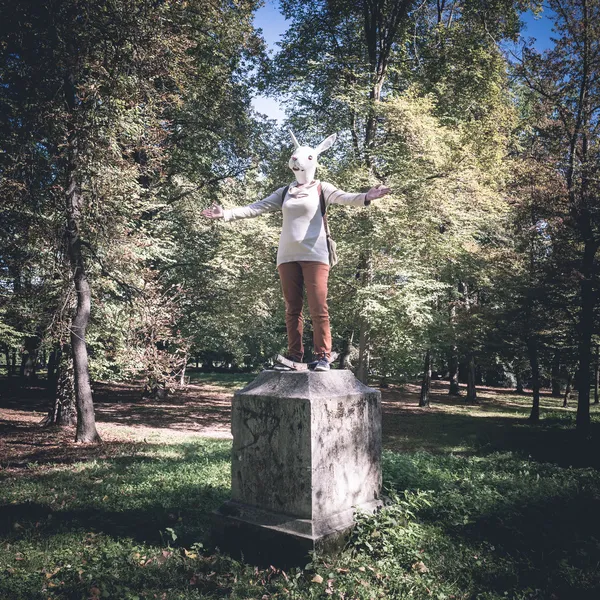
x,y
224,380
482,506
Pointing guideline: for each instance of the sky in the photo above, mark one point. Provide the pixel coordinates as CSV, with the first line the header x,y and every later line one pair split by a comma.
x,y
273,25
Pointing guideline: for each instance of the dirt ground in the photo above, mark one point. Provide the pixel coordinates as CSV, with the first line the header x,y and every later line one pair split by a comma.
x,y
203,410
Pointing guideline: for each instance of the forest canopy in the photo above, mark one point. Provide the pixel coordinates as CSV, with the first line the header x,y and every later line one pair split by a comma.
x,y
120,121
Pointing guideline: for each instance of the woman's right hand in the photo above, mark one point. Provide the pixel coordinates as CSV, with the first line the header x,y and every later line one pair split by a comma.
x,y
214,212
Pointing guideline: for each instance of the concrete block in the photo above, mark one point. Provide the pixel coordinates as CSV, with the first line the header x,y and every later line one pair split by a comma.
x,y
306,454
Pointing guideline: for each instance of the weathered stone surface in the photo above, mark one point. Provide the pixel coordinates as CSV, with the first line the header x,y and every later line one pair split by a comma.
x,y
306,453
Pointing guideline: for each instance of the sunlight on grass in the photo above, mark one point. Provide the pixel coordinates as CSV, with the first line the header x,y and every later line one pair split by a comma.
x,y
472,516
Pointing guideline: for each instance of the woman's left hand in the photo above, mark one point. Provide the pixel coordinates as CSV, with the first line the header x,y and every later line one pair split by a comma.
x,y
377,192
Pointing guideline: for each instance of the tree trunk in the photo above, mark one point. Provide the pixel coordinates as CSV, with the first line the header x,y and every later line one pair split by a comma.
x,y
362,372
28,366
24,357
63,409
471,387
426,383
364,355
568,390
13,367
597,376
86,422
453,374
29,357
7,354
532,349
183,368
519,377
556,374
51,378
586,328
381,26
345,354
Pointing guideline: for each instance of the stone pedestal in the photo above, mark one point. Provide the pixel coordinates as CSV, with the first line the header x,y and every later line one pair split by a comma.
x,y
306,455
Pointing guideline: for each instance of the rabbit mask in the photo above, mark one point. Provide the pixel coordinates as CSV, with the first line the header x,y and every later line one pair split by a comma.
x,y
304,159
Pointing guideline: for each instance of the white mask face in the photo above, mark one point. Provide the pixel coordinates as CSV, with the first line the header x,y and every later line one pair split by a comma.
x,y
304,159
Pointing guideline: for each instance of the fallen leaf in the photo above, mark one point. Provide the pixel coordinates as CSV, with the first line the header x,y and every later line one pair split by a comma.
x,y
420,567
317,579
52,573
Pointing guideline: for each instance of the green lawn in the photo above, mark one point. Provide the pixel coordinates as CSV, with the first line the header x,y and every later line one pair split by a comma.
x,y
473,523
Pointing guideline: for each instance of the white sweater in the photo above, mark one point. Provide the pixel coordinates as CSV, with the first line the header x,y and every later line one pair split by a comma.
x,y
303,233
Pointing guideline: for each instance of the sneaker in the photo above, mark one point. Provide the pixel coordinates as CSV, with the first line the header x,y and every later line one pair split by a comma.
x,y
322,365
280,367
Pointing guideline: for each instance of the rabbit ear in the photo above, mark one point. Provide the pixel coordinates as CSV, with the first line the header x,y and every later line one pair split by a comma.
x,y
326,143
296,144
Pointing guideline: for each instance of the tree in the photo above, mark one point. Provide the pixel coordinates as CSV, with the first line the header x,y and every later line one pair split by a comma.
x,y
565,82
368,56
99,88
426,382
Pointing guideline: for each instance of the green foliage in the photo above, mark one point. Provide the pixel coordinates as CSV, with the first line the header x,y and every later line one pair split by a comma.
x,y
135,525
156,100
453,261
9,336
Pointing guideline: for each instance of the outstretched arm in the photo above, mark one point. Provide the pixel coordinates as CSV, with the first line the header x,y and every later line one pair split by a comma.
x,y
335,196
269,204
214,212
377,192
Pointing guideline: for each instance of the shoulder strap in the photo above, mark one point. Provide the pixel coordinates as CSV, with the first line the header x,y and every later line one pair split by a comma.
x,y
323,209
285,191
322,200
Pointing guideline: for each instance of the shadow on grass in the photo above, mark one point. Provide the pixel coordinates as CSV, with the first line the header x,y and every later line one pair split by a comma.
x,y
28,445
507,524
552,544
492,425
144,525
135,497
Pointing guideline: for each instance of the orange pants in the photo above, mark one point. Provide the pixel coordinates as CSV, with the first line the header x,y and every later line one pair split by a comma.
x,y
294,277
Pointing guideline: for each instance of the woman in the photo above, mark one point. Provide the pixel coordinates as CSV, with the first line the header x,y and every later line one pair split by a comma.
x,y
303,254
